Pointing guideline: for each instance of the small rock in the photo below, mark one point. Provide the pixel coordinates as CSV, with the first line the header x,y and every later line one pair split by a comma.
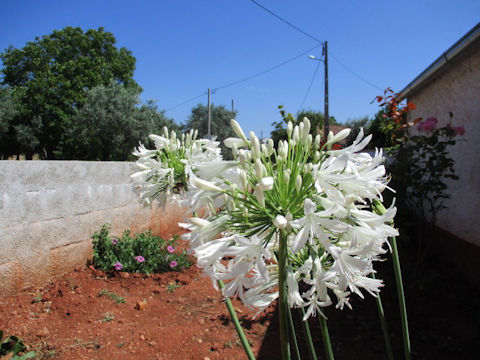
x,y
124,275
206,358
43,332
141,305
152,343
157,289
91,267
199,341
142,337
202,321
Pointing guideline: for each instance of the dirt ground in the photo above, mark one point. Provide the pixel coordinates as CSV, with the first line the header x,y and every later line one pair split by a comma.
x,y
178,315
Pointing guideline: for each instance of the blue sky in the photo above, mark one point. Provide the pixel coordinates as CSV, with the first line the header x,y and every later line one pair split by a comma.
x,y
183,47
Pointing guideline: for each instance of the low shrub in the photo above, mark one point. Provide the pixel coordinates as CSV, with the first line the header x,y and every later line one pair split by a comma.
x,y
140,253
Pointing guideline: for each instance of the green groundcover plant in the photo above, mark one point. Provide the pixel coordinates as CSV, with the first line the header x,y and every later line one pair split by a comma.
x,y
140,253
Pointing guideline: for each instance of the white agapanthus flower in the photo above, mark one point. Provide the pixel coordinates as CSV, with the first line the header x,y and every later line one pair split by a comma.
x,y
299,204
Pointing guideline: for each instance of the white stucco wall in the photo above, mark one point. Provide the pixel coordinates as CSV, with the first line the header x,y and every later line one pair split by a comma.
x,y
457,90
50,209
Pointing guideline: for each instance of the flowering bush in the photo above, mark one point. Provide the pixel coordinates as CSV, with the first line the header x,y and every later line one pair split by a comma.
x,y
142,253
422,165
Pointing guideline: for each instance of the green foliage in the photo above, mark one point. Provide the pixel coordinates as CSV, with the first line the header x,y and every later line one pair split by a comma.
x,y
421,166
109,124
112,296
172,286
107,251
108,317
50,75
14,345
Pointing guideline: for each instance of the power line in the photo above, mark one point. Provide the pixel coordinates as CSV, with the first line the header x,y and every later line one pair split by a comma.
x,y
318,40
186,101
244,79
287,22
354,73
266,71
310,86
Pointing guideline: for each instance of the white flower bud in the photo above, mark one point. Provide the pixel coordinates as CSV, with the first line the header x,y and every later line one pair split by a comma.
x,y
289,129
243,179
266,183
285,148
340,136
306,126
300,131
173,136
258,168
286,177
317,141
280,222
195,134
238,130
296,136
270,147
264,150
242,158
204,184
165,132
298,182
316,156
260,195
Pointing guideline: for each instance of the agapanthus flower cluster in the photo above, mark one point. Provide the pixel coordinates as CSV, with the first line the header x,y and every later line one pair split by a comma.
x,y
315,199
164,171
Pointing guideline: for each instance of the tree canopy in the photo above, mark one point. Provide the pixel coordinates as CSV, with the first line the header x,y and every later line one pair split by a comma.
x,y
50,77
110,124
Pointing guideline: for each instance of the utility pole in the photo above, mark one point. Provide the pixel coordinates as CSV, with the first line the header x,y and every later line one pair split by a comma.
x,y
232,105
209,136
326,120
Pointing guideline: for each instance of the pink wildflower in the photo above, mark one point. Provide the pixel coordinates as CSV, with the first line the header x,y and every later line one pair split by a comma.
x,y
459,130
139,258
114,241
118,266
170,249
173,264
427,125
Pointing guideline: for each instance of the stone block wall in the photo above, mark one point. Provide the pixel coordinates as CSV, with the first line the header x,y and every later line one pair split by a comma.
x,y
50,209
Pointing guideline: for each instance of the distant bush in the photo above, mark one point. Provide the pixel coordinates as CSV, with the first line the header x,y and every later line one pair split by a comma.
x,y
140,253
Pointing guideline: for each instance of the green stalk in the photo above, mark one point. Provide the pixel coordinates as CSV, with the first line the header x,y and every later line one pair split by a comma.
x,y
380,209
292,327
306,327
282,296
326,337
238,327
383,322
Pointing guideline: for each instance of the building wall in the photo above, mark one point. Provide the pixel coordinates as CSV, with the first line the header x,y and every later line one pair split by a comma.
x,y
50,209
457,90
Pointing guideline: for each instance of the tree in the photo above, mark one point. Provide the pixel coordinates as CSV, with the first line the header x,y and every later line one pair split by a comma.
x,y
110,124
355,125
316,119
50,77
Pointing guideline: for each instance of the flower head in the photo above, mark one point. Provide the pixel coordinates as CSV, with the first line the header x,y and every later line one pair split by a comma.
x,y
427,125
170,249
139,258
173,264
117,266
114,241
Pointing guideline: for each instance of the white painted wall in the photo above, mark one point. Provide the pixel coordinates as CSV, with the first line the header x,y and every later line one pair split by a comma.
x,y
457,90
50,209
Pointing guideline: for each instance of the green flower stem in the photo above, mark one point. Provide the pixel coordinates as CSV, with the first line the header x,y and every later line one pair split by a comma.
x,y
238,327
326,337
306,327
398,279
292,327
383,322
282,296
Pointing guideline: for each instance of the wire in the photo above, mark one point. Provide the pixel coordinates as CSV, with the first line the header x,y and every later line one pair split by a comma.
x,y
266,71
184,102
310,86
287,22
318,40
354,73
